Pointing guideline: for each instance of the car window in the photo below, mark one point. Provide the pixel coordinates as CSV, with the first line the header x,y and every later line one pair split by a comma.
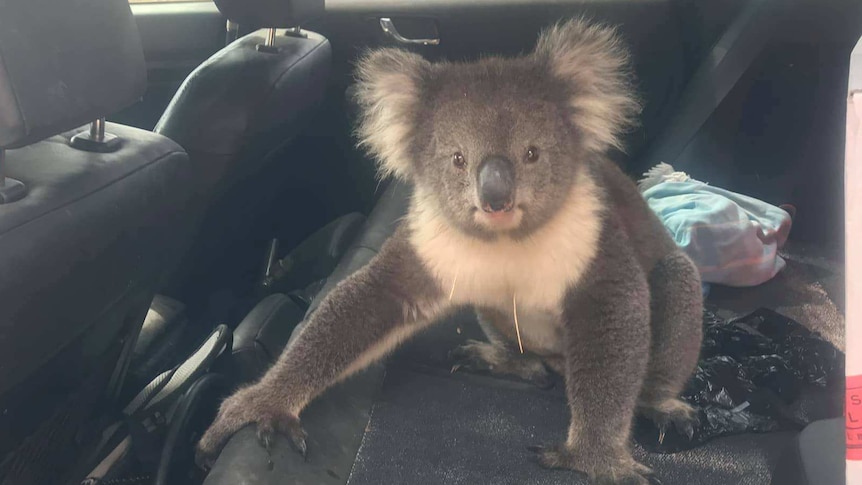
x,y
166,1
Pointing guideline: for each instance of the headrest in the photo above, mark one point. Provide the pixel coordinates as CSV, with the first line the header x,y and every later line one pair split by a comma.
x,y
65,63
270,13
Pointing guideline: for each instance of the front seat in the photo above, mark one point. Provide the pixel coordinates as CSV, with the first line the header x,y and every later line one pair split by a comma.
x,y
90,217
238,110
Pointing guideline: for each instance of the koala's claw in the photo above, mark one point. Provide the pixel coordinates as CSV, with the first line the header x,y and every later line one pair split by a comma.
x,y
686,428
469,357
290,427
671,412
494,359
624,471
250,406
298,437
203,461
265,437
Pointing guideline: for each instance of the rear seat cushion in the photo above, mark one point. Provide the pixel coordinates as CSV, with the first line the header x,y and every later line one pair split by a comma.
x,y
381,223
815,457
260,337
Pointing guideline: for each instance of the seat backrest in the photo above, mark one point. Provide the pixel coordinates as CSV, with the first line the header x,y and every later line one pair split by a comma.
x,y
251,97
90,219
238,110
245,102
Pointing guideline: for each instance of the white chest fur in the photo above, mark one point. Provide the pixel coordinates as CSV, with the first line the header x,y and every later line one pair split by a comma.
x,y
536,271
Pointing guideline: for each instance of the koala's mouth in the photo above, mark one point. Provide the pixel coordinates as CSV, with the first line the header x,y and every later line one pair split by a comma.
x,y
499,220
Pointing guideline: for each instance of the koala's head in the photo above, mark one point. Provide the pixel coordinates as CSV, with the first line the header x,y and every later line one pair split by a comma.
x,y
497,144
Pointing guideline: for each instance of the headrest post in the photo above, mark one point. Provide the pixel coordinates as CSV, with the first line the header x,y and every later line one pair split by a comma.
x,y
2,167
272,13
10,189
96,140
295,32
87,45
270,37
97,130
231,31
268,45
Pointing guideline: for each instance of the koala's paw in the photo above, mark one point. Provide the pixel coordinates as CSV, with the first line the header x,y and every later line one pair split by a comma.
x,y
497,360
671,412
604,471
250,405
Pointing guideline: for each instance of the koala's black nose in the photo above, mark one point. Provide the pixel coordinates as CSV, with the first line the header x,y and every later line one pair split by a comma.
x,y
496,182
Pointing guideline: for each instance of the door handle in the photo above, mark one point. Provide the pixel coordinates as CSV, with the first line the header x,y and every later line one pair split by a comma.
x,y
389,28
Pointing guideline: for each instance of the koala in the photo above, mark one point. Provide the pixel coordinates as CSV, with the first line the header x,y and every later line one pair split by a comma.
x,y
517,210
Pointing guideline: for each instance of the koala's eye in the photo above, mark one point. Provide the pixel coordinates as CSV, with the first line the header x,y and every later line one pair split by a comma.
x,y
458,160
532,155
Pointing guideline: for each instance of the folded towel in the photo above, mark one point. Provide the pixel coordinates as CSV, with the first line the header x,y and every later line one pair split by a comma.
x,y
732,238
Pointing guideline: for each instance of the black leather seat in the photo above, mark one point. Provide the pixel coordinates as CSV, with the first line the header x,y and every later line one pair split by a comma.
x,y
335,421
87,240
241,107
265,331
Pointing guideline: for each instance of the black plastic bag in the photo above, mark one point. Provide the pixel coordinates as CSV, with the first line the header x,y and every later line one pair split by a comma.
x,y
762,372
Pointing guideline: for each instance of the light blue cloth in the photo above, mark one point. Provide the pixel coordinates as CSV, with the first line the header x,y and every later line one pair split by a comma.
x,y
732,238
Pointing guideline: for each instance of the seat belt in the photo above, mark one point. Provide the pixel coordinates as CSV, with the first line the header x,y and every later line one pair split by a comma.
x,y
717,74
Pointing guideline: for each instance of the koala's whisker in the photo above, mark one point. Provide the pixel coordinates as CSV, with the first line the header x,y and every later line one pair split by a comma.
x,y
454,280
517,327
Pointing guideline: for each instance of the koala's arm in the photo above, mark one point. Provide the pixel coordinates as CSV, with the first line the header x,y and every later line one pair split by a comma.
x,y
357,323
360,320
606,337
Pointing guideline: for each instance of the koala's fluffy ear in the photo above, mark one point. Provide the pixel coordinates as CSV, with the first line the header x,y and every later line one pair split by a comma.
x,y
592,60
389,83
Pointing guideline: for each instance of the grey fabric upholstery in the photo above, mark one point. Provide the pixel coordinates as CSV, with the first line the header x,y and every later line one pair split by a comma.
x,y
63,64
815,457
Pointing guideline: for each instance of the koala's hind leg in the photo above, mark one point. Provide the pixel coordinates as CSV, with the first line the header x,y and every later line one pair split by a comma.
x,y
676,323
500,356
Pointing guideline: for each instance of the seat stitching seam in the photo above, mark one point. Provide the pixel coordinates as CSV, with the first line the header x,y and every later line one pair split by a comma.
x,y
94,191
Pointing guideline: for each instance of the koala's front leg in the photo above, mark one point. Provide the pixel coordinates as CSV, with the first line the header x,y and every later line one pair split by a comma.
x,y
357,323
606,334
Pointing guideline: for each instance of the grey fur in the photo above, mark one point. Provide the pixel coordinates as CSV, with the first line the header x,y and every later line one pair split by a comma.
x,y
624,331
